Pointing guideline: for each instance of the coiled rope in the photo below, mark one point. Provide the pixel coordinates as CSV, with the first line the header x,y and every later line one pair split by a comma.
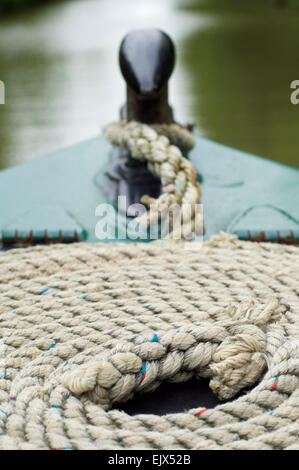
x,y
86,326
162,147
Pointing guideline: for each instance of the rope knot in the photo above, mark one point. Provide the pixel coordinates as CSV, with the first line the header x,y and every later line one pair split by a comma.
x,y
230,352
238,362
241,358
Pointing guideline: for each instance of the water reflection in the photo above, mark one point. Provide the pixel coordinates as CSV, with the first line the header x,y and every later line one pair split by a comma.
x,y
59,65
241,70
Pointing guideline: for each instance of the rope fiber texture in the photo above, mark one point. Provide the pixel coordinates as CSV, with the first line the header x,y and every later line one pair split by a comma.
x,y
162,146
86,326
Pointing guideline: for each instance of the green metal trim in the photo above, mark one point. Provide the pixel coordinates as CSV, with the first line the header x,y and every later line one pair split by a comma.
x,y
57,193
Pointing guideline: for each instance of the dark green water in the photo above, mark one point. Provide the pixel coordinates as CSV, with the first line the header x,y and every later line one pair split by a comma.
x,y
235,63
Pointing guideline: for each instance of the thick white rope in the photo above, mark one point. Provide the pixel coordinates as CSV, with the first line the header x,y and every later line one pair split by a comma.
x,y
231,353
163,154
86,326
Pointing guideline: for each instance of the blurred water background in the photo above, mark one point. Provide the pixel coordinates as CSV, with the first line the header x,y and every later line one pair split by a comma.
x,y
235,62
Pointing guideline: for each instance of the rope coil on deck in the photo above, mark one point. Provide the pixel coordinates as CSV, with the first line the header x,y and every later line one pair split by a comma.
x,y
86,326
162,147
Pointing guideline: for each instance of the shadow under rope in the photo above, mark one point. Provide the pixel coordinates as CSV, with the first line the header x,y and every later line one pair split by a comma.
x,y
172,398
175,398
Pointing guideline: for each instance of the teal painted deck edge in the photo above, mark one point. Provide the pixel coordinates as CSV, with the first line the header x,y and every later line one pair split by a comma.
x,y
233,182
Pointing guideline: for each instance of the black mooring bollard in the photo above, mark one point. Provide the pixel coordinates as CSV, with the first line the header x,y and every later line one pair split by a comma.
x,y
146,59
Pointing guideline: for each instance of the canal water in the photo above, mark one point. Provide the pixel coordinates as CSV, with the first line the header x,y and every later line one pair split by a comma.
x,y
235,63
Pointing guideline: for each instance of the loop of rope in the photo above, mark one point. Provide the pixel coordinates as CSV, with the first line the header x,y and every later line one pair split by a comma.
x,y
161,146
231,353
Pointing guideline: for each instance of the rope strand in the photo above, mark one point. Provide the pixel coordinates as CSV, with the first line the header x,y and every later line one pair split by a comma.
x,y
163,154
